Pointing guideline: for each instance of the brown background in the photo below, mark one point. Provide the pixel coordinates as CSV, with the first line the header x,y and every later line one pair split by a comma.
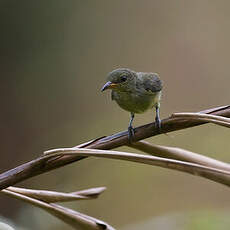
x,y
54,56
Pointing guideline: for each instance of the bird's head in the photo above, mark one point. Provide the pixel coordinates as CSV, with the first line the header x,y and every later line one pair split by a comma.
x,y
120,80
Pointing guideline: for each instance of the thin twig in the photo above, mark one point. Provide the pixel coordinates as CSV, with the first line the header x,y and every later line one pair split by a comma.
x,y
53,196
179,154
217,175
73,218
218,120
170,124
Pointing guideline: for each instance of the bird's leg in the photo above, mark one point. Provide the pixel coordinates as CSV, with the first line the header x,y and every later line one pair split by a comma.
x,y
157,119
130,128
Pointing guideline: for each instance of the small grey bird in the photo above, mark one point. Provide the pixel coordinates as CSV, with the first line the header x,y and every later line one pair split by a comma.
x,y
135,92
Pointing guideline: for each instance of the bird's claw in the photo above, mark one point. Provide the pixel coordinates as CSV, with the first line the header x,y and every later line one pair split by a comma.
x,y
158,124
130,133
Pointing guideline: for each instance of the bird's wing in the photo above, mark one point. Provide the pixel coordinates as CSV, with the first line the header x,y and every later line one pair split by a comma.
x,y
151,82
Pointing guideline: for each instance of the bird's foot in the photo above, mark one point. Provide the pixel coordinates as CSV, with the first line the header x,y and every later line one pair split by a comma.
x,y
130,134
158,124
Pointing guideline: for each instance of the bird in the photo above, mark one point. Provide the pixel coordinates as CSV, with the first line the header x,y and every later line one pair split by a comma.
x,y
135,92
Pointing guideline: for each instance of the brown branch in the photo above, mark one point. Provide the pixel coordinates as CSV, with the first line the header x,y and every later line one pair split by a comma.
x,y
170,124
71,217
218,120
179,154
211,173
53,196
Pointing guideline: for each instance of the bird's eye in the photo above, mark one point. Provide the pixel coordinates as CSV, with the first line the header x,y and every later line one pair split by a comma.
x,y
123,78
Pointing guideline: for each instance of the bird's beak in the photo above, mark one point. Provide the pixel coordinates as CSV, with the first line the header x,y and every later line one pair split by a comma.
x,y
108,85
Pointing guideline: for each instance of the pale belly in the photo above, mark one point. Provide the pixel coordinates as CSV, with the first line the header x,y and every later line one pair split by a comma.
x,y
136,103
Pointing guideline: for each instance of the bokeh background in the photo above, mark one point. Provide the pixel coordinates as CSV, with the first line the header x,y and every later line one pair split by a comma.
x,y
54,58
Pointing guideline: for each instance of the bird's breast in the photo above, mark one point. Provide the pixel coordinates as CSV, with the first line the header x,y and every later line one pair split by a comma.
x,y
136,102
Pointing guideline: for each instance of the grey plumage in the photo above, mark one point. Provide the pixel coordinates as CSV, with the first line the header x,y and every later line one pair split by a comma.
x,y
151,82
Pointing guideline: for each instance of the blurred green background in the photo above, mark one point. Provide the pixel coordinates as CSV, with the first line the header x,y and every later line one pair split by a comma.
x,y
53,61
